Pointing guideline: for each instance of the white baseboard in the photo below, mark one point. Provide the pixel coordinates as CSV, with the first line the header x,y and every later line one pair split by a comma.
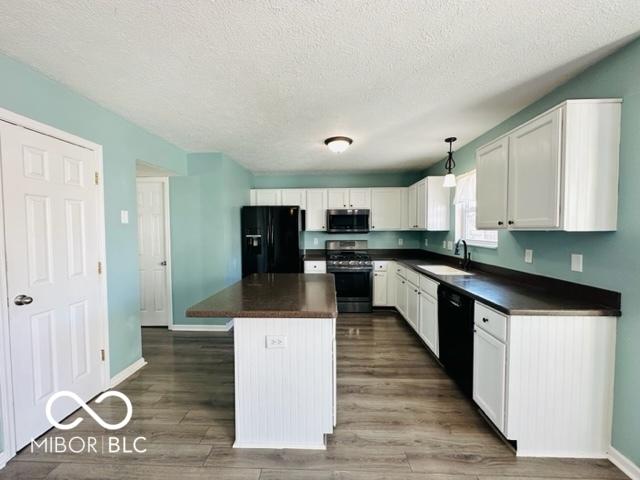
x,y
624,464
127,372
203,328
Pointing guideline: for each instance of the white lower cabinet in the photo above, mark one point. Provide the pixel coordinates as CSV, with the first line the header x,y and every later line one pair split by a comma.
x,y
413,305
546,381
401,295
380,289
489,370
391,284
428,323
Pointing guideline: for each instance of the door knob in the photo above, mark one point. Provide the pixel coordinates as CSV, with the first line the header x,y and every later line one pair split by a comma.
x,y
22,300
163,263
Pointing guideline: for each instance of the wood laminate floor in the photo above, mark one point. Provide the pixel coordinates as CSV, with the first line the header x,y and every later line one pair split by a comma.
x,y
399,418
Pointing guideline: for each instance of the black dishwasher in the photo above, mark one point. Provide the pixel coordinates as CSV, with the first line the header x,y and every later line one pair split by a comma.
x,y
455,324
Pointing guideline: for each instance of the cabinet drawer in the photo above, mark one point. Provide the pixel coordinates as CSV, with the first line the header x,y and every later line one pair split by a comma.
x,y
428,286
413,277
380,266
312,266
491,321
400,270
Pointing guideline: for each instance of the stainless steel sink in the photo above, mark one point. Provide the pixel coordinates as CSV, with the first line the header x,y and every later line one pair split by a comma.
x,y
443,270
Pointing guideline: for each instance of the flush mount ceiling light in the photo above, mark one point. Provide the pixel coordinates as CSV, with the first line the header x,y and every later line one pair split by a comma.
x,y
338,144
450,164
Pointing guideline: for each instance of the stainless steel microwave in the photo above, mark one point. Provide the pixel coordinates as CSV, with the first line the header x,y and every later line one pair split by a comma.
x,y
351,220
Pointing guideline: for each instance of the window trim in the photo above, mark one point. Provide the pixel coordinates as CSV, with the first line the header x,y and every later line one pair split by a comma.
x,y
459,228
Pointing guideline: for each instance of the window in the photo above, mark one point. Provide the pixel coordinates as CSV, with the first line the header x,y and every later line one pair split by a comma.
x,y
465,205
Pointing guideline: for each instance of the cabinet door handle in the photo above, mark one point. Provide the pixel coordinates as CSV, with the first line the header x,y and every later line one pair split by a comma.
x,y
510,222
485,319
500,222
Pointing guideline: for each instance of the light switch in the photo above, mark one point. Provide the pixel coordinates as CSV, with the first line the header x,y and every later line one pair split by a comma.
x,y
315,240
400,241
426,242
444,244
528,256
449,245
276,341
576,262
124,216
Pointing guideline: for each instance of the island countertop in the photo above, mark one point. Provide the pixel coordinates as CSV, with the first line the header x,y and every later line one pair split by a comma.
x,y
273,295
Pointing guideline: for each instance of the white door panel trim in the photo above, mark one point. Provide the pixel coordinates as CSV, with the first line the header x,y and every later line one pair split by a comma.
x,y
6,386
167,238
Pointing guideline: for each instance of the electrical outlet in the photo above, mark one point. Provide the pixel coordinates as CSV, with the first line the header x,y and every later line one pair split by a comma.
x,y
444,244
426,242
400,241
449,245
528,256
276,341
315,240
576,262
124,216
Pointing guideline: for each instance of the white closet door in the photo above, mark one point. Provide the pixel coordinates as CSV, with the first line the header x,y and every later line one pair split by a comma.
x,y
50,203
534,173
154,291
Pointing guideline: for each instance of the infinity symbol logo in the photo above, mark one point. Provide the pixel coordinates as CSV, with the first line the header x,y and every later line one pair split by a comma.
x,y
89,410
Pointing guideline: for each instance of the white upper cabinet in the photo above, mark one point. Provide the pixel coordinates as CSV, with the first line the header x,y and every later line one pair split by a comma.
x,y
421,204
534,173
349,198
491,184
360,198
438,205
386,208
294,196
267,197
558,171
338,198
316,209
412,206
428,205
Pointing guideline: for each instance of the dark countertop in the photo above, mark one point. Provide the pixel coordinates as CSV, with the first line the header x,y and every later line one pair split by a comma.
x,y
508,291
273,295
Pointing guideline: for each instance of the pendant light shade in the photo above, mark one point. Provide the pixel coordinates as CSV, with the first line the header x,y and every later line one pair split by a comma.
x,y
450,164
449,180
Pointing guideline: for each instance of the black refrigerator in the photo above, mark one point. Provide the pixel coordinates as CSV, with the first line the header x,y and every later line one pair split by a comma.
x,y
271,240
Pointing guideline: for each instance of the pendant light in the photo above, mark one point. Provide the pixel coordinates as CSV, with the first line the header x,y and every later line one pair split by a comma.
x,y
450,164
338,144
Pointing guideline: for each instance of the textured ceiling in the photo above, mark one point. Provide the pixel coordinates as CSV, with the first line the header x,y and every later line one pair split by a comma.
x,y
266,81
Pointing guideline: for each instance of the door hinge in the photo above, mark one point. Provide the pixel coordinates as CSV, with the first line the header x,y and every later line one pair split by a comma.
x,y
96,178
99,268
102,354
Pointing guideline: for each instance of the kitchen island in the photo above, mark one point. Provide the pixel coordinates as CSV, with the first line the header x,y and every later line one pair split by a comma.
x,y
285,358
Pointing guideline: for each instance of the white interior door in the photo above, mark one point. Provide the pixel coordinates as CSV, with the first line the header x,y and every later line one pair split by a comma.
x,y
50,204
152,234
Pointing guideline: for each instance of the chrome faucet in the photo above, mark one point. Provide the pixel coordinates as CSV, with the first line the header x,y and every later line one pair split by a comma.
x,y
466,256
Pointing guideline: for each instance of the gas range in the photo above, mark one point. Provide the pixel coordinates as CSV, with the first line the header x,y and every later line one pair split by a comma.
x,y
352,267
347,255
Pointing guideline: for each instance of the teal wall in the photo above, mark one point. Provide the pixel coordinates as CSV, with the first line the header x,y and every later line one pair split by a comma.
x,y
206,197
347,179
342,179
205,230
375,239
29,93
610,259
